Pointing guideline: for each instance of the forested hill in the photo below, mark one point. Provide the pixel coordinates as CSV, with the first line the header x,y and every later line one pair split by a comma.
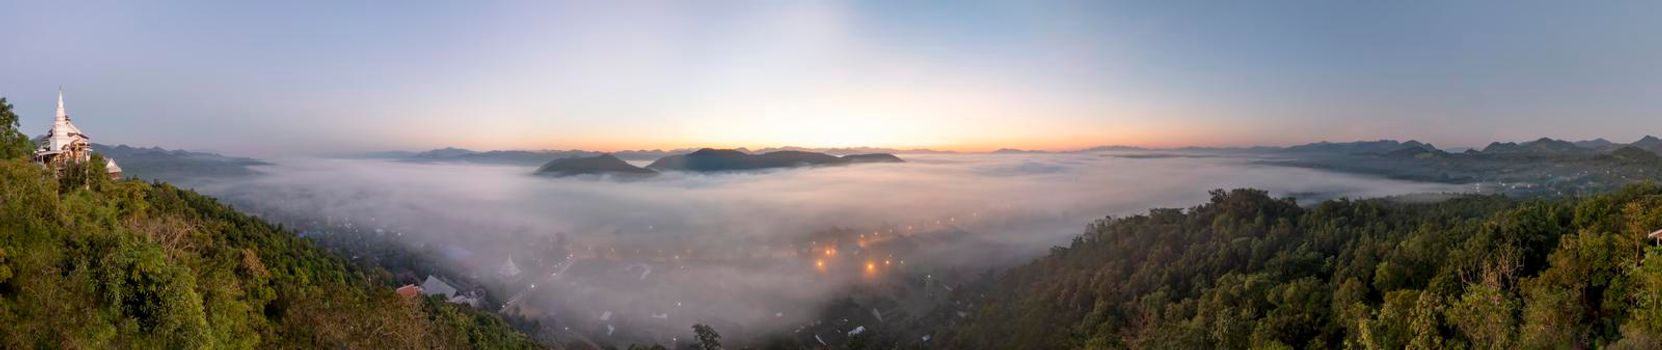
x,y
86,262
1249,271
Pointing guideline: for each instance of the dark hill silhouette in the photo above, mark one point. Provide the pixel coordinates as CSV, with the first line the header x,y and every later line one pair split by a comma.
x,y
717,160
446,152
873,158
1015,151
1417,152
1595,144
604,164
1541,146
1649,143
1635,155
1362,147
513,157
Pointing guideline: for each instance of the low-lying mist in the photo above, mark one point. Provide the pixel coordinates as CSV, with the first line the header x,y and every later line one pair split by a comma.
x,y
751,252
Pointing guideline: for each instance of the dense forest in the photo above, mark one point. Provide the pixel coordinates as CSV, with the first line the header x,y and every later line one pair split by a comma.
x,y
89,262
1250,271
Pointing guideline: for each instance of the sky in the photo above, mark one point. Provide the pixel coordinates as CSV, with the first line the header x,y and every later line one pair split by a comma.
x,y
333,77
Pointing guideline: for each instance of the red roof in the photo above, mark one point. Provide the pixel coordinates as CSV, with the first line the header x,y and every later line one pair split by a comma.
x,y
409,291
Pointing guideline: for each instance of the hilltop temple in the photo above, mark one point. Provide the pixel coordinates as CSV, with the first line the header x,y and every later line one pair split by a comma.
x,y
65,145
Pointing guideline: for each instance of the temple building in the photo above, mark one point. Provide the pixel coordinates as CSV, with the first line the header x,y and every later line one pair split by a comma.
x,y
65,144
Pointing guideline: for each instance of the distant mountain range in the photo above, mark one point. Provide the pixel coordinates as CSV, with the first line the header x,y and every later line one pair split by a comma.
x,y
1543,166
1539,147
705,160
515,157
1015,151
1398,159
178,166
1554,146
843,151
1376,147
452,154
539,157
718,160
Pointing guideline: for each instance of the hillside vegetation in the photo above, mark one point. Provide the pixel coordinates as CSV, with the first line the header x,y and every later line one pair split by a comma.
x,y
86,262
1249,271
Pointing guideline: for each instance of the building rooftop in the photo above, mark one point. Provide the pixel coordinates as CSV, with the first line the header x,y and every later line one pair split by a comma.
x,y
409,291
433,285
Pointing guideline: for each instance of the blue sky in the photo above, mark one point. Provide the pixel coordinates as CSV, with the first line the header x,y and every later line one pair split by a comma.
x,y
320,77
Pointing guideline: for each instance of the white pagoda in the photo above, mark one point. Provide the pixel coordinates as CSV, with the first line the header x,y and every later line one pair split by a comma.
x,y
65,144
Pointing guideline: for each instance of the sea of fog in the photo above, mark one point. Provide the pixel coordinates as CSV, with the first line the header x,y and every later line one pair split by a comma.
x,y
746,251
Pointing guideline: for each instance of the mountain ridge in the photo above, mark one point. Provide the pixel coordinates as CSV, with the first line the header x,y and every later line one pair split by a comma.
x,y
725,160
604,164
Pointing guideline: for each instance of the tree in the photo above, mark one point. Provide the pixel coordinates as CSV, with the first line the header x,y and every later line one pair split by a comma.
x,y
128,264
13,143
707,337
90,174
1643,329
1485,316
1247,270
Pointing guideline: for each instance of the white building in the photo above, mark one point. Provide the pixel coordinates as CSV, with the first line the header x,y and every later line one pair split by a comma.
x,y
65,143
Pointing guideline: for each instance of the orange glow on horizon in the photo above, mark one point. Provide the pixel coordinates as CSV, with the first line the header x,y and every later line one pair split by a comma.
x,y
1052,144
1047,138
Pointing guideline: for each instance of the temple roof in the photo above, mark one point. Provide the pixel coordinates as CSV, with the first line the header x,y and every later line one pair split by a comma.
x,y
63,132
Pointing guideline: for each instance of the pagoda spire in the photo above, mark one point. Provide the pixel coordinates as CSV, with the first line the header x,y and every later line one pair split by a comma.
x,y
62,115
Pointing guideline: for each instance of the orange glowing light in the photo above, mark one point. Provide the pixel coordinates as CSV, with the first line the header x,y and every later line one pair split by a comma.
x,y
820,264
871,266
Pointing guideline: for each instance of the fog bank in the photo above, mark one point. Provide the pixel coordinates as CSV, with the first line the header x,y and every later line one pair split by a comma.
x,y
747,251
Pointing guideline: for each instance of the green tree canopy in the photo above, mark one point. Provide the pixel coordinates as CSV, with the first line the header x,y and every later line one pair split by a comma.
x,y
13,142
